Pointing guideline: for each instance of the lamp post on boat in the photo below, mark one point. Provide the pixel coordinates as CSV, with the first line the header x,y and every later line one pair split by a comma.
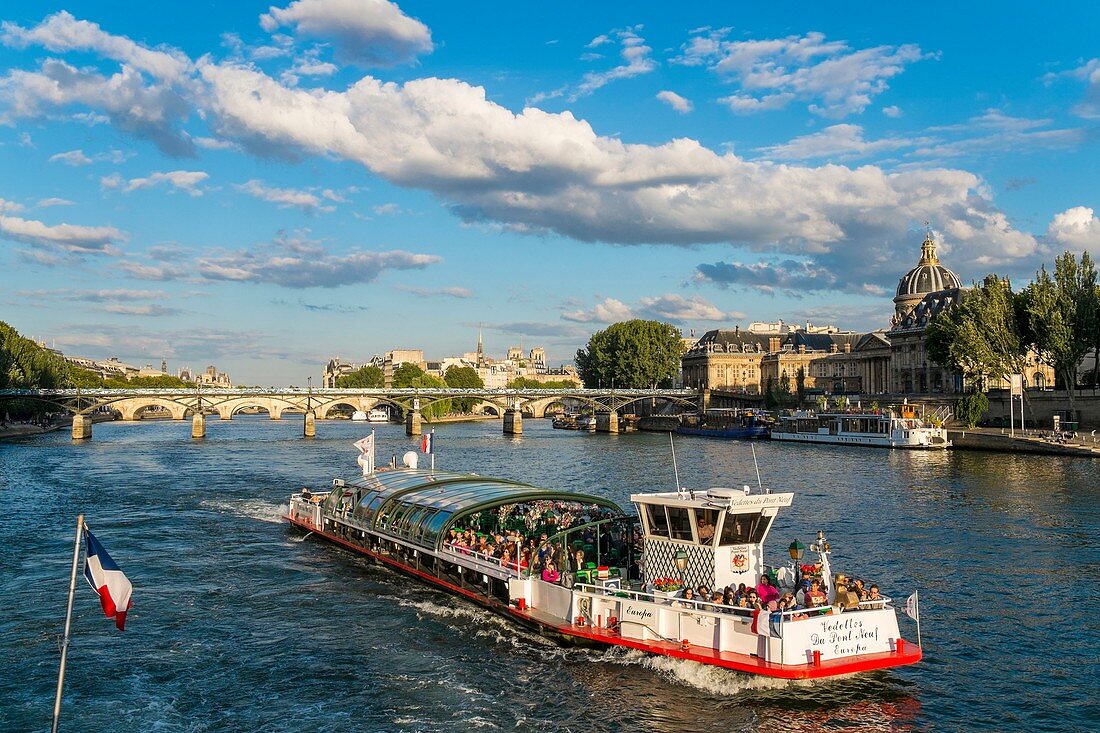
x,y
797,550
681,561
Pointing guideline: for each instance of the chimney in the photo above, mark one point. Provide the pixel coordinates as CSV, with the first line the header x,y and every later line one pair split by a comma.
x,y
773,344
802,348
847,347
833,349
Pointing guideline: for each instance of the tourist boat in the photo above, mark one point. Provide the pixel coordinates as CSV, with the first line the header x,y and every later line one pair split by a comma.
x,y
619,592
733,423
379,414
587,422
886,429
359,416
565,421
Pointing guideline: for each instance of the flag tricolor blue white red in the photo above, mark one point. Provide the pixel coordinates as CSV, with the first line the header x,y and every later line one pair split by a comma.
x,y
106,579
426,443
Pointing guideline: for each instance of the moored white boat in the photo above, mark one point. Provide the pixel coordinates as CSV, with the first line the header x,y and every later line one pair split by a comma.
x,y
359,416
616,591
886,429
379,414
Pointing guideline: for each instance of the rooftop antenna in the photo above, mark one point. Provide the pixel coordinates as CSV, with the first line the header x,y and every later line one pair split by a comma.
x,y
756,465
675,469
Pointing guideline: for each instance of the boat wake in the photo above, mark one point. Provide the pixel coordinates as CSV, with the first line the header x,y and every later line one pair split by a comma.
x,y
249,508
714,680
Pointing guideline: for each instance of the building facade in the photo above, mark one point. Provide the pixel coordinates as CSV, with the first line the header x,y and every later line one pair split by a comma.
x,y
836,361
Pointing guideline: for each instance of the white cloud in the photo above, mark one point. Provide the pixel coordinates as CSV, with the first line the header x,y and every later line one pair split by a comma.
x,y
71,238
1089,72
53,201
285,197
62,32
153,112
893,111
386,209
674,100
78,158
598,41
609,310
836,142
300,263
1076,228
72,157
450,292
669,307
364,32
832,77
183,180
635,55
10,207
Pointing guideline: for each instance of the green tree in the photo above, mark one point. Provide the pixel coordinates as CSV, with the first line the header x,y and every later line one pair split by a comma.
x,y
463,378
800,385
1062,314
631,354
436,409
367,377
969,409
26,365
979,336
405,375
771,401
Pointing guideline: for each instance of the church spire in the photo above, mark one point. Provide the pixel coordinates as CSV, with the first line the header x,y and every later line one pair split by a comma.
x,y
480,350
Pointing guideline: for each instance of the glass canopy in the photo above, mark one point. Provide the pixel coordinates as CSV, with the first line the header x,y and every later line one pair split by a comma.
x,y
420,506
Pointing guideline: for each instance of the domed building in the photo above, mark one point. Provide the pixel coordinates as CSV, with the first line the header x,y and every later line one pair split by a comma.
x,y
929,276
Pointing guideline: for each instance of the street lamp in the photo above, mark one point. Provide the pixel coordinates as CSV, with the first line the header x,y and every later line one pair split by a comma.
x,y
797,550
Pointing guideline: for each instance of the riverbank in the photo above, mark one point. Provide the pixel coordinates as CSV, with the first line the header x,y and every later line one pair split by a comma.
x,y
26,430
999,440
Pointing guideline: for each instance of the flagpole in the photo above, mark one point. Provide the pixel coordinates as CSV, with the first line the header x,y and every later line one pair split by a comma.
x,y
433,450
68,624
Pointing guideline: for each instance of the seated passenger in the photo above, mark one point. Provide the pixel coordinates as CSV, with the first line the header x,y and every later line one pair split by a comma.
x,y
872,594
766,590
859,590
550,573
816,597
688,598
578,561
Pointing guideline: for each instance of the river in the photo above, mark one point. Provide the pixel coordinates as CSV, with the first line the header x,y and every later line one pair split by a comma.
x,y
239,625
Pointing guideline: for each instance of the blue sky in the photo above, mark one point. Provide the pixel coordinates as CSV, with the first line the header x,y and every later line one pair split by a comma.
x,y
263,186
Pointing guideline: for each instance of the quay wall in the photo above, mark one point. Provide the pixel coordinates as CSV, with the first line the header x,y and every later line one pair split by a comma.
x,y
1041,407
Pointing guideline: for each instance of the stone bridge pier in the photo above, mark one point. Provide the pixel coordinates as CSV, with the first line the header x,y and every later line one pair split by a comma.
x,y
513,419
413,422
82,427
607,422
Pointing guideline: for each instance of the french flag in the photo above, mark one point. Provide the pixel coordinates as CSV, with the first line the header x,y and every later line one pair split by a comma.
x,y
106,579
426,442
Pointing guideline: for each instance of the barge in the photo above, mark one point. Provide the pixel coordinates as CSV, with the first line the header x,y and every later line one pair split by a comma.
x,y
887,429
617,584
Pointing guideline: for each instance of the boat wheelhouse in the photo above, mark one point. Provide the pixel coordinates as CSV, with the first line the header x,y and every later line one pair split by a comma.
x,y
886,429
617,586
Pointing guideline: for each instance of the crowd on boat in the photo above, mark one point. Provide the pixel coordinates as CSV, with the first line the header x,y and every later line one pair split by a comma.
x,y
809,596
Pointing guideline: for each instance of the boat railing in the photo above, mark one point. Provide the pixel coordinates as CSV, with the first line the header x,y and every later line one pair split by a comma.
x,y
469,554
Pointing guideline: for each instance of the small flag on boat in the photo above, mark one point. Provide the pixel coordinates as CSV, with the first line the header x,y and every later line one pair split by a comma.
x,y
426,443
106,579
912,606
366,445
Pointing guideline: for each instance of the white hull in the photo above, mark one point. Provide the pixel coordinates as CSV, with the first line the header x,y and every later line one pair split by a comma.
x,y
359,416
929,440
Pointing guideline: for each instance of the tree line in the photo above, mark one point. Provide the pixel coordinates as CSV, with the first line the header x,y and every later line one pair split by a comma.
x,y
987,335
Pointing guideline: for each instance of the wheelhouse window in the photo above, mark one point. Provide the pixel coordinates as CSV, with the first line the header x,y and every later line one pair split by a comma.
x,y
706,523
656,519
679,523
743,529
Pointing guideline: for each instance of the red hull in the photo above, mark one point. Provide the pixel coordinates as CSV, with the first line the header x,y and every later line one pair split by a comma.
x,y
910,654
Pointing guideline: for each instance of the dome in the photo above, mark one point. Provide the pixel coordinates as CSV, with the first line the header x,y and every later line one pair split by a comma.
x,y
929,276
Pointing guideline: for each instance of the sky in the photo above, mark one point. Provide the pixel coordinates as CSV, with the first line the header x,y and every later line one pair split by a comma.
x,y
265,187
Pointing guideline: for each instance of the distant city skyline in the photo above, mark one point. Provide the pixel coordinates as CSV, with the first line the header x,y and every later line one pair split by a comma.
x,y
267,186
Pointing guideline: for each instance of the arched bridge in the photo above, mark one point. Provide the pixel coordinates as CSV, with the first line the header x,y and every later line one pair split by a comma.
x,y
320,404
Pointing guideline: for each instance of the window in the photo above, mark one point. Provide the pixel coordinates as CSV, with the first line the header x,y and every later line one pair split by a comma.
x,y
679,523
706,522
658,522
743,529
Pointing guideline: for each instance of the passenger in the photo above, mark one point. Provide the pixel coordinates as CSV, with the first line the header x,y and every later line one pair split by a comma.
x,y
706,531
718,598
752,599
766,590
872,593
688,598
859,590
578,561
702,591
816,597
550,573
729,598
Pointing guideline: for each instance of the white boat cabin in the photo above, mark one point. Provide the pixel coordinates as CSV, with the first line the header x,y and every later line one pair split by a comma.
x,y
717,535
